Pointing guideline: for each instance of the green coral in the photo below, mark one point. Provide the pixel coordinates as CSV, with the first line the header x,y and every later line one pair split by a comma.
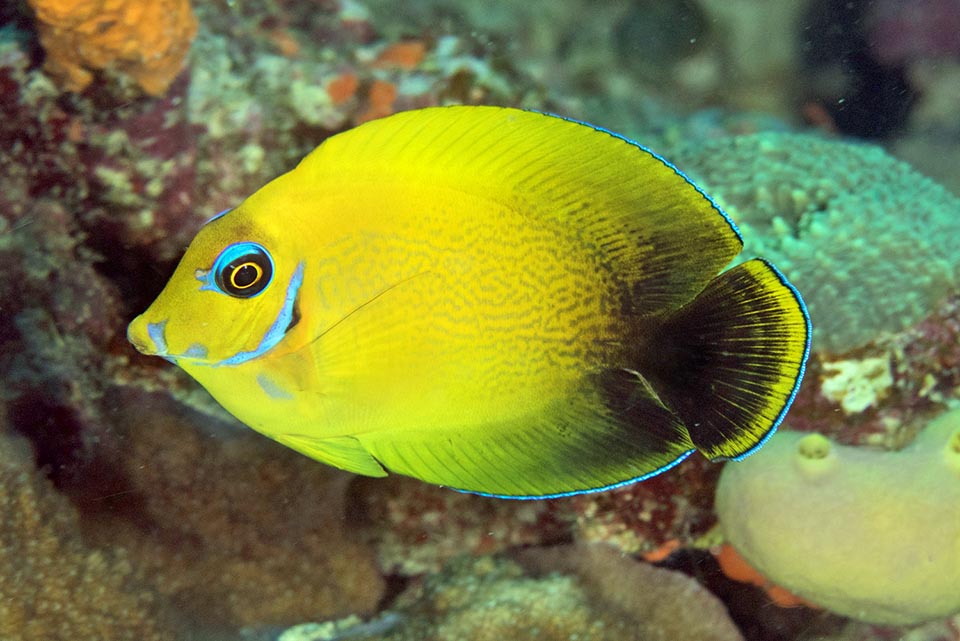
x,y
869,242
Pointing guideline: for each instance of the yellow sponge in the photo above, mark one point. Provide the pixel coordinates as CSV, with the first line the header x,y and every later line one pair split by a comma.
x,y
867,534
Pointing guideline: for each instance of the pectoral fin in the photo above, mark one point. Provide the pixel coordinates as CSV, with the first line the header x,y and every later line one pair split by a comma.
x,y
344,452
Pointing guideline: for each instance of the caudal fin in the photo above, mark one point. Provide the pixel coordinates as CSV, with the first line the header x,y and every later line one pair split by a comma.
x,y
730,362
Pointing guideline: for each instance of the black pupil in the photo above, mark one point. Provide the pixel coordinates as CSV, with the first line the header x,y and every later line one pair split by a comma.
x,y
245,275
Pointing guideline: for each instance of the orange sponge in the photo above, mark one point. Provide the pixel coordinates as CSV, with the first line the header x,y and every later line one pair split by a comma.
x,y
145,39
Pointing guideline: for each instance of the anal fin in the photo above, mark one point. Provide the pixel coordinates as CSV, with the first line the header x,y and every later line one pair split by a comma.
x,y
607,433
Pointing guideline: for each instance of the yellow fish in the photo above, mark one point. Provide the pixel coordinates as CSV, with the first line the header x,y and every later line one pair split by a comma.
x,y
500,301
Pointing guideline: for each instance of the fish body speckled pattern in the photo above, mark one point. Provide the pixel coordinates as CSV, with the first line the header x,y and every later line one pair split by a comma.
x,y
499,301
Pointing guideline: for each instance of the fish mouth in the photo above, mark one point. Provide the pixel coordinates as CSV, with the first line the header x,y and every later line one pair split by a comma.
x,y
148,338
136,337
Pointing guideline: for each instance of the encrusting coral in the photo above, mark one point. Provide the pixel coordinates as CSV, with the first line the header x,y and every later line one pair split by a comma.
x,y
659,604
53,586
144,39
235,530
585,592
872,535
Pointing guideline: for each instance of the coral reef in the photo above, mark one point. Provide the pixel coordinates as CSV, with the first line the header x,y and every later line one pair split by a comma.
x,y
229,526
58,330
127,174
882,394
871,535
152,500
53,586
257,99
663,604
139,167
77,199
589,593
926,357
228,545
146,40
488,600
866,239
98,199
417,528
672,509
856,384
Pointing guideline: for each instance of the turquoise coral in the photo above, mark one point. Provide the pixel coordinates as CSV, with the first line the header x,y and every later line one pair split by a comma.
x,y
868,241
872,535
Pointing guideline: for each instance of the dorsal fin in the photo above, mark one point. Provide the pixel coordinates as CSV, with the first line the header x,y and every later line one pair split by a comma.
x,y
655,230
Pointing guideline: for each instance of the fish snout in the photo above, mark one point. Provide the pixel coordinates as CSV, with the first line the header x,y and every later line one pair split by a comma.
x,y
147,338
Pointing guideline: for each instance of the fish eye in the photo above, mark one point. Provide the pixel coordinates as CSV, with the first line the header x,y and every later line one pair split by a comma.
x,y
243,270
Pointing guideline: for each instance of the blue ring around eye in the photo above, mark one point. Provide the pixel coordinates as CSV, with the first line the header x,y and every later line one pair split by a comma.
x,y
237,254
